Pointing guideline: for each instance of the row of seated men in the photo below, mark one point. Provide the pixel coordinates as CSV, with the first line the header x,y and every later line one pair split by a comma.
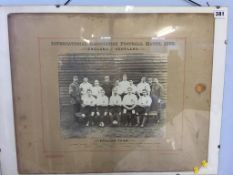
x,y
128,111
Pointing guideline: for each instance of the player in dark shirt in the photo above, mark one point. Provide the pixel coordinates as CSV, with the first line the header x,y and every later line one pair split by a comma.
x,y
107,86
156,95
75,94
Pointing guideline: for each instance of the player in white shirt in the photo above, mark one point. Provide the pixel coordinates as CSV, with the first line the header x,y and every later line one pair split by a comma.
x,y
102,108
96,89
149,81
84,86
115,108
129,103
143,85
143,107
117,87
88,107
124,84
134,88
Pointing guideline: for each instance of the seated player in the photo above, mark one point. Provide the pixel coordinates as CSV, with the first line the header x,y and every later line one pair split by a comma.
x,y
88,107
129,103
96,89
102,108
143,107
115,108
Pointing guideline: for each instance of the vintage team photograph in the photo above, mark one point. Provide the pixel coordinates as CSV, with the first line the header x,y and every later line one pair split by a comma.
x,y
112,95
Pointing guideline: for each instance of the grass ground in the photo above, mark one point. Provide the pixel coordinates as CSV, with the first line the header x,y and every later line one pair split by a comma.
x,y
72,129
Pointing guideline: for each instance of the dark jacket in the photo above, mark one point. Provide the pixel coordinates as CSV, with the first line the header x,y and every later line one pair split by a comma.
x,y
107,86
75,92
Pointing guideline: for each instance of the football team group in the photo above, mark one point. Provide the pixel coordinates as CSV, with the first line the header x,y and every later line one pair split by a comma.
x,y
120,104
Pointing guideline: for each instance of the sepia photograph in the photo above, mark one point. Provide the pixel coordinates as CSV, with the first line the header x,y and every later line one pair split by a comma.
x,y
112,95
112,92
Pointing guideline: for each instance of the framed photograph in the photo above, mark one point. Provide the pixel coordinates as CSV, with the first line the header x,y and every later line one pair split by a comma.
x,y
111,89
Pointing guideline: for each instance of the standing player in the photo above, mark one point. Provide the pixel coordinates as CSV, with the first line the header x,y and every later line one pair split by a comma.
x,y
149,81
107,86
117,87
88,107
134,88
75,95
115,108
96,89
84,86
156,95
129,103
124,84
156,88
143,107
102,108
143,85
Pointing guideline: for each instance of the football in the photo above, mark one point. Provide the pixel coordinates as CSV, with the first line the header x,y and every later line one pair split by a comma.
x,y
115,122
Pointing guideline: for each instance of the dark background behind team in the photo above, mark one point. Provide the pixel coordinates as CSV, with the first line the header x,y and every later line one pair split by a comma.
x,y
98,65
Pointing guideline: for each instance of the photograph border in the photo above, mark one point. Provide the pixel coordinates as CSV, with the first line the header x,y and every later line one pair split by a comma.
x,y
183,39
7,134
